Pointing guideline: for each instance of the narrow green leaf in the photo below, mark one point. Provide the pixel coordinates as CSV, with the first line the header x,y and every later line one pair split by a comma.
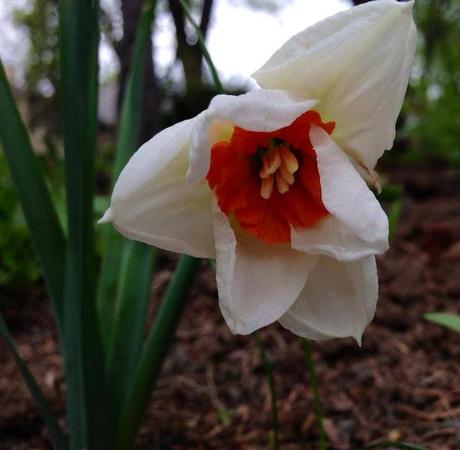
x,y
132,303
448,320
128,134
155,351
89,418
56,434
124,286
391,444
33,194
114,246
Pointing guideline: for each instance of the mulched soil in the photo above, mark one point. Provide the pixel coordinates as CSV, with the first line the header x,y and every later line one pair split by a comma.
x,y
403,383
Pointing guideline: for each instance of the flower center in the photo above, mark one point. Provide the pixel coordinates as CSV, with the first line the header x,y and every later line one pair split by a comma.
x,y
269,181
279,165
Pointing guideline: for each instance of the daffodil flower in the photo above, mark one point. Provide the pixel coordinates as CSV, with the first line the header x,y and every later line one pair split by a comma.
x,y
273,184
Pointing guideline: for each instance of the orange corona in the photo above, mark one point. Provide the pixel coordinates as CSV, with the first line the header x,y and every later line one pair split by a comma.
x,y
269,181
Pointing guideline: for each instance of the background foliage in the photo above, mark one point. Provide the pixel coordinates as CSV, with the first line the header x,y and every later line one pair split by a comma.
x,y
432,109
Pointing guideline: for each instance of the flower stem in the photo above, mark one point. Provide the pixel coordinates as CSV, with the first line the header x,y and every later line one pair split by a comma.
x,y
273,443
316,398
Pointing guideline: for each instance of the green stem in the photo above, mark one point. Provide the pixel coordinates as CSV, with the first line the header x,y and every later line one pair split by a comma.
x,y
316,398
273,437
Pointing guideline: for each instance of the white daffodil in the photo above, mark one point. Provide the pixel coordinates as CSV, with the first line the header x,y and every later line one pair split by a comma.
x,y
272,184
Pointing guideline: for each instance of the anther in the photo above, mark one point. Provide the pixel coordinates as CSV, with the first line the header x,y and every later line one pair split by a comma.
x,y
266,187
271,162
281,183
289,159
288,176
278,166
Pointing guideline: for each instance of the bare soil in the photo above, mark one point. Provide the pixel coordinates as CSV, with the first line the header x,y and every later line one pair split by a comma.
x,y
403,383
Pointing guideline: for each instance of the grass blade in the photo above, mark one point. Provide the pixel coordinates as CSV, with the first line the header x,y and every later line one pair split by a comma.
x,y
155,351
448,320
56,434
33,194
87,400
127,140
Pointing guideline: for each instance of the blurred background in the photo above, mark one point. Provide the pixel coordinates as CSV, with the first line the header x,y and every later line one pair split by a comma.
x,y
405,380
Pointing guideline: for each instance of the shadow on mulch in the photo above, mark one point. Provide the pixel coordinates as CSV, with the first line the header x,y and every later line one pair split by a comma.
x,y
404,383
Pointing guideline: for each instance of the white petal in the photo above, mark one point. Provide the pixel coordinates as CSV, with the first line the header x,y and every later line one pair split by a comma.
x,y
152,201
258,110
257,282
332,238
357,63
338,300
358,226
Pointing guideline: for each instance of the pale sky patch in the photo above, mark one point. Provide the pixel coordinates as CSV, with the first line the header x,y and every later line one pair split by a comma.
x,y
240,39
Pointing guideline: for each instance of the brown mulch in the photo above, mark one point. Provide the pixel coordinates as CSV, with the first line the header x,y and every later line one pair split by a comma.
x,y
403,383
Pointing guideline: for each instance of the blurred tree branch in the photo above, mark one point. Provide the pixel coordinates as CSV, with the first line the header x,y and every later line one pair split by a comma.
x,y
131,12
188,50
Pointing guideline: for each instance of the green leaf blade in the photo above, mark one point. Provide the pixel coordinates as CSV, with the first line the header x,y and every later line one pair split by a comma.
x,y
127,139
56,433
447,320
155,351
131,312
88,408
35,199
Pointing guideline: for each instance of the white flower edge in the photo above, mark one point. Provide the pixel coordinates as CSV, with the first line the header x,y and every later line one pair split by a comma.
x,y
313,296
257,283
357,225
339,300
152,201
258,110
357,64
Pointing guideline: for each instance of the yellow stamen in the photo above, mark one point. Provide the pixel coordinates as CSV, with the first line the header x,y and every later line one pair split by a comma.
x,y
289,159
266,188
278,166
281,183
288,176
271,162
